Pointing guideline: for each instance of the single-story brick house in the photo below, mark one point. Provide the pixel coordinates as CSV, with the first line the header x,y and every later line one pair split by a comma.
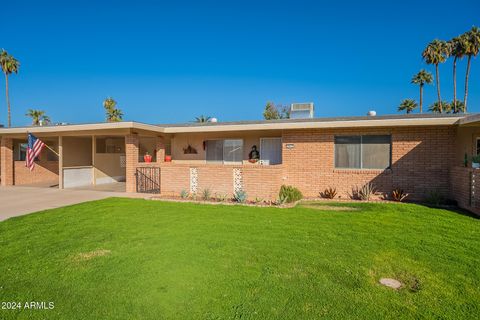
x,y
418,153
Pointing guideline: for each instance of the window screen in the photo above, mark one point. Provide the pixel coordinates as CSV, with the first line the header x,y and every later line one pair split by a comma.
x,y
363,152
228,151
347,152
232,150
271,150
214,150
376,152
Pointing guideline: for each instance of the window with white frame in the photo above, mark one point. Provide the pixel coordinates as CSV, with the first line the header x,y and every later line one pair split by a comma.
x,y
224,151
363,152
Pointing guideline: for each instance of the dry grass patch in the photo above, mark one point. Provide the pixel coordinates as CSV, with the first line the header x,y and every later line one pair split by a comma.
x,y
85,256
328,208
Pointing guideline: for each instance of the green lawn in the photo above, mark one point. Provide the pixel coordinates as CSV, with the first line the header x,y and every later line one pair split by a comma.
x,y
139,259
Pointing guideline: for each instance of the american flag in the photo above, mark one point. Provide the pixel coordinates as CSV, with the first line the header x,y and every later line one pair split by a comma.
x,y
34,148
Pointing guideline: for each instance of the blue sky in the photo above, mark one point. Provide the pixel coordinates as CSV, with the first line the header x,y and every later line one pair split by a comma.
x,y
170,61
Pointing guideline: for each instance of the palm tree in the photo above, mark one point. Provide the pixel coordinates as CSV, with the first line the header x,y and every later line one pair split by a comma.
x,y
9,65
457,50
113,114
109,103
440,107
435,53
457,107
407,105
421,78
38,117
202,119
472,47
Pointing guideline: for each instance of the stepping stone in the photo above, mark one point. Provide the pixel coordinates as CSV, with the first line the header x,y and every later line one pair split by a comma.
x,y
391,283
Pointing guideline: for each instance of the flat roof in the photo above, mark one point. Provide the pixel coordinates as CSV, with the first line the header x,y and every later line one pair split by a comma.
x,y
284,124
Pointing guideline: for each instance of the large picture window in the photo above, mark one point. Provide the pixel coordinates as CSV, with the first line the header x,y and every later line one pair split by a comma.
x,y
363,152
224,151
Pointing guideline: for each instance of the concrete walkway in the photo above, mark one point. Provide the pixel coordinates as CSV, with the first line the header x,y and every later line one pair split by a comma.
x,y
17,201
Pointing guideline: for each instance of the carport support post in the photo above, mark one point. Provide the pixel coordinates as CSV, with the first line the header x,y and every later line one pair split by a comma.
x,y
60,162
160,149
6,161
131,157
94,150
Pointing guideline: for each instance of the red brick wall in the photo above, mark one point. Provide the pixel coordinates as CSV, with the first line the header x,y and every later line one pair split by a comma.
x,y
6,161
44,172
421,158
461,181
131,157
262,182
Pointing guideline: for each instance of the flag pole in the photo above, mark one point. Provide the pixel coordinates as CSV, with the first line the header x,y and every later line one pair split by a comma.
x,y
55,152
52,150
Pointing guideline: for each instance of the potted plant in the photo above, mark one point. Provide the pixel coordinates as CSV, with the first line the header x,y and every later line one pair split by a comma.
x,y
476,161
147,157
168,158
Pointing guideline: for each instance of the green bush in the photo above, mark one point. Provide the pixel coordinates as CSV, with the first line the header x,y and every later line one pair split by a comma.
x,y
290,194
240,196
184,194
206,194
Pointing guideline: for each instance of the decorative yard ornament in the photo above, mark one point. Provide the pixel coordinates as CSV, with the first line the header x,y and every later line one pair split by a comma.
x,y
254,155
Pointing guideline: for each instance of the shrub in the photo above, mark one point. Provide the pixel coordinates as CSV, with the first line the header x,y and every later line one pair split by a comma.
x,y
476,158
329,193
193,196
258,200
240,196
363,193
434,197
290,194
206,193
282,199
399,195
184,194
367,191
221,197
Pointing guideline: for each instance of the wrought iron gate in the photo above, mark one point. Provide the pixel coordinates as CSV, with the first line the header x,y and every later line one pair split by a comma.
x,y
148,179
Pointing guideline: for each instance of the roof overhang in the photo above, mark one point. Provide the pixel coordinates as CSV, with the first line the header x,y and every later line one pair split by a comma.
x,y
80,128
470,121
228,127
316,125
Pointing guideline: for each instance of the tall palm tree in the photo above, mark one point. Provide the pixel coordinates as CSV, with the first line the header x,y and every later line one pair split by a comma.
x,y
9,65
113,114
435,53
109,103
472,47
421,78
457,51
38,117
202,119
407,105
437,107
458,107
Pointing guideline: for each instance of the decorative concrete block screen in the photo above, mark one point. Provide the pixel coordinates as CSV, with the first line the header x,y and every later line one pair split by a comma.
x,y
237,180
193,180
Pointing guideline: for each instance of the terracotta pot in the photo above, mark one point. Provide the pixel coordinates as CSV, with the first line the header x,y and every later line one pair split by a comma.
x,y
168,158
147,158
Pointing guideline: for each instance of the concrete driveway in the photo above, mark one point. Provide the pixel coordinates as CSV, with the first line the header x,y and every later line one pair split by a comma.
x,y
17,201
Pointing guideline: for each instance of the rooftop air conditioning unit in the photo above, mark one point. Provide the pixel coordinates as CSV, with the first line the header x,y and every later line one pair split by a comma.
x,y
301,110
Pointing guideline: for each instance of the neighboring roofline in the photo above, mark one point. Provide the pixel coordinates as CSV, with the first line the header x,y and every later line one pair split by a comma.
x,y
469,120
288,124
